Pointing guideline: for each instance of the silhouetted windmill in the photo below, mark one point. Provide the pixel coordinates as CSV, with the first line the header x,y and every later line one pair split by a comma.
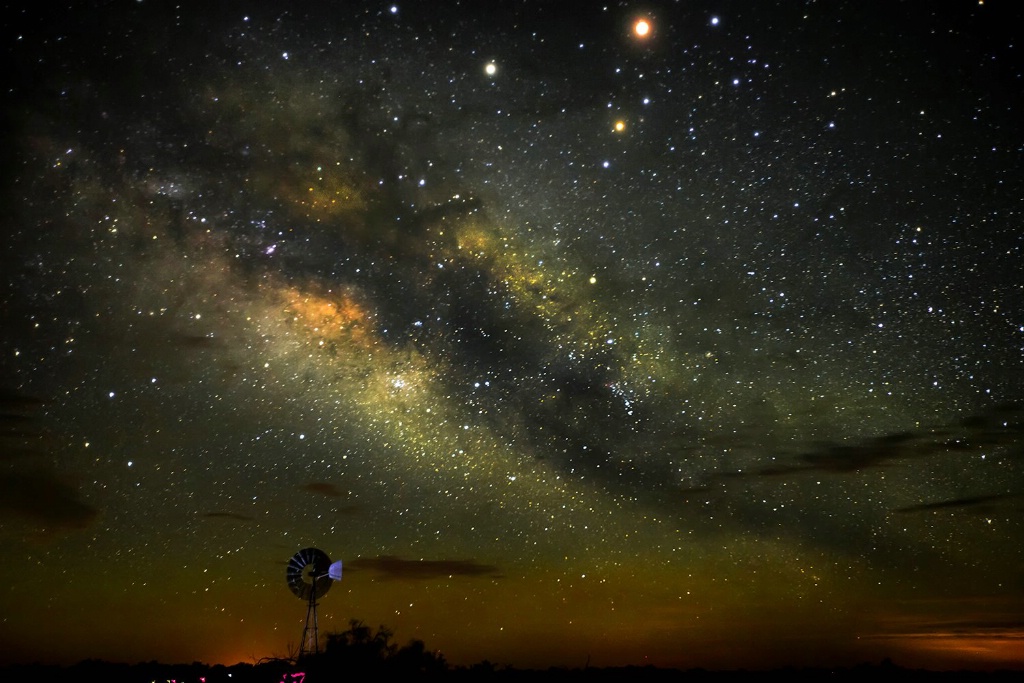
x,y
310,575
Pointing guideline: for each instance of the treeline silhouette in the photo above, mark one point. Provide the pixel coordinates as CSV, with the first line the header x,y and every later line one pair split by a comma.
x,y
363,651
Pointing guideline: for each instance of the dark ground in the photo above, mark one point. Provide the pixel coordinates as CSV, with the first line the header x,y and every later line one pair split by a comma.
x,y
317,672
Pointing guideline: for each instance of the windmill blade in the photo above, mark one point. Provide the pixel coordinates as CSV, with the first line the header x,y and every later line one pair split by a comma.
x,y
308,573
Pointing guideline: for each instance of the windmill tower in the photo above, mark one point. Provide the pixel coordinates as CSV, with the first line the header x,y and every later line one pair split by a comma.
x,y
310,574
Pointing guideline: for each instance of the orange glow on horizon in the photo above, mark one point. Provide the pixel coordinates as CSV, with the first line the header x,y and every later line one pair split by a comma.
x,y
985,651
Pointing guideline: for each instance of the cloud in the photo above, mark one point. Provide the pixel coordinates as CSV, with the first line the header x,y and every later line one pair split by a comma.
x,y
390,567
322,488
18,404
20,434
44,498
993,617
978,503
228,515
998,428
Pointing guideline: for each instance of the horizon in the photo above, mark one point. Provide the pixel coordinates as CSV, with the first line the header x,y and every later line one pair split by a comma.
x,y
611,334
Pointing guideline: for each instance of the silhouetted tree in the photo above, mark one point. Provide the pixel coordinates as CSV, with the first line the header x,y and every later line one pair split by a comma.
x,y
363,650
359,648
414,658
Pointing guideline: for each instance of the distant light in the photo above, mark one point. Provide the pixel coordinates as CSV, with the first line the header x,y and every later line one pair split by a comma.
x,y
620,126
714,21
394,9
491,68
284,55
642,28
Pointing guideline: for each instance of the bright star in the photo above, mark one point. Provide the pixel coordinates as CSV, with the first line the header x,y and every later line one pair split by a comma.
x,y
642,28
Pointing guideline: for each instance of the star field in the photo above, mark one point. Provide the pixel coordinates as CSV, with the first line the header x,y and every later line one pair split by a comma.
x,y
676,334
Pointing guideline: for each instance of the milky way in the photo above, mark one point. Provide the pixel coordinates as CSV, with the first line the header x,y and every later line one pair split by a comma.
x,y
696,347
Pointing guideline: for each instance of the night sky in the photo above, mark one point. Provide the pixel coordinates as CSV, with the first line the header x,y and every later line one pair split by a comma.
x,y
695,346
